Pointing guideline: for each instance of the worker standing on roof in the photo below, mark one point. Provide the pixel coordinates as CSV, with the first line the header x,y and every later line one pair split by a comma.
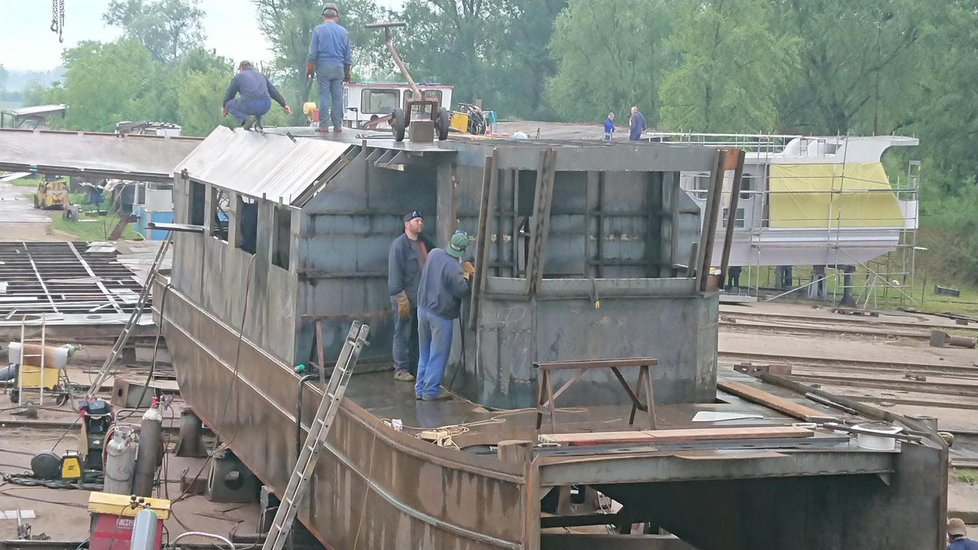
x,y
330,58
636,125
609,127
257,93
406,259
444,282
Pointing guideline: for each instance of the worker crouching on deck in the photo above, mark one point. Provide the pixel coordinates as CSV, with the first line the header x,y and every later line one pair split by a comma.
x,y
444,282
257,93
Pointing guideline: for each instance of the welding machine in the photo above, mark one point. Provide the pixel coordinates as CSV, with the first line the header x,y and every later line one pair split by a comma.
x,y
113,518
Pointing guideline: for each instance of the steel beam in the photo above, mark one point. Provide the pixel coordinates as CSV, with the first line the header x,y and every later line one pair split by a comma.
x,y
688,467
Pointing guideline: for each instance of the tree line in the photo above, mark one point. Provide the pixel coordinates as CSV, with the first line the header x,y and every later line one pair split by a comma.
x,y
736,66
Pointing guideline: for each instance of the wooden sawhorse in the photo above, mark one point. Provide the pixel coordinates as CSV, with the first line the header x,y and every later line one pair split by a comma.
x,y
546,396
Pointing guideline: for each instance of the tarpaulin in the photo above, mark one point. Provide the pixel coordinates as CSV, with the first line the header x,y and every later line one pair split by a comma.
x,y
832,195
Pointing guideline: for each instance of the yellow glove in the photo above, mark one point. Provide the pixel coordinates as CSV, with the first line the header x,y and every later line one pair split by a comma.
x,y
468,268
403,304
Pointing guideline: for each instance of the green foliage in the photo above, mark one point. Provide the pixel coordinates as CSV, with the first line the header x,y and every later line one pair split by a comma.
x,y
203,79
169,29
730,69
952,239
609,57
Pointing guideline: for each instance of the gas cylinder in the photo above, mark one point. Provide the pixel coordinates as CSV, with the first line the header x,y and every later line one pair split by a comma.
x,y
121,461
55,357
150,450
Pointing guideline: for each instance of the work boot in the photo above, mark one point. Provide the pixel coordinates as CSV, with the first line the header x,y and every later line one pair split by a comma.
x,y
338,129
442,396
403,376
249,122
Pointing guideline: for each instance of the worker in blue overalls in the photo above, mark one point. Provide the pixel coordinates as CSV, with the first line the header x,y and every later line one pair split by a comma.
x,y
330,59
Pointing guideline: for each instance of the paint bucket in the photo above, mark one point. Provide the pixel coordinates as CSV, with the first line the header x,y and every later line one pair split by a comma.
x,y
876,436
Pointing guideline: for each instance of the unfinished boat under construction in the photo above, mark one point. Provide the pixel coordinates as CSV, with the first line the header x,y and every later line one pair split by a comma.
x,y
592,293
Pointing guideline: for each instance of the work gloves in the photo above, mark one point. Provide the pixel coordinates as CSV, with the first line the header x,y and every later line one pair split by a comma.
x,y
468,268
403,305
310,69
346,74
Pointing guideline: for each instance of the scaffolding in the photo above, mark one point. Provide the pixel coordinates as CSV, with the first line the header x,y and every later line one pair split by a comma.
x,y
882,281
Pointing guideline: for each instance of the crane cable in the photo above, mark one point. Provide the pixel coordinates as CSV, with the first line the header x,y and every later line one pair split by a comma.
x,y
58,18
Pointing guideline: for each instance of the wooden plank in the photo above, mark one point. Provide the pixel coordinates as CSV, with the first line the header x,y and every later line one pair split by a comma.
x,y
597,363
737,157
780,404
651,437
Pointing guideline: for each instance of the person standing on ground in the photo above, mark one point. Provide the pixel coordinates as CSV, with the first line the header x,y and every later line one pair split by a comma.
x,y
957,536
636,125
257,93
609,127
330,59
406,259
444,282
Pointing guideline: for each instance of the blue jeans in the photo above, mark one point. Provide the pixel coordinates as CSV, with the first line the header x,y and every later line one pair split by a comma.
x,y
405,345
330,78
241,108
435,339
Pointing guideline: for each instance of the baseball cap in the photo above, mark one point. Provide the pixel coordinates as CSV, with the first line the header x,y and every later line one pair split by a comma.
x,y
413,214
956,527
458,244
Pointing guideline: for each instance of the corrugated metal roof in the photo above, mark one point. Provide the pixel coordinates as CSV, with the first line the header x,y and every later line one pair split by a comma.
x,y
141,158
36,110
267,166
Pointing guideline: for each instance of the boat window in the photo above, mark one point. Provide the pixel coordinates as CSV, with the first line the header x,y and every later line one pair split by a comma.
x,y
738,221
195,213
281,241
378,101
246,214
427,94
747,183
220,207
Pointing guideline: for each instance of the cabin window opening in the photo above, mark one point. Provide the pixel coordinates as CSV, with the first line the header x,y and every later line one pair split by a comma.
x,y
221,204
738,220
747,184
381,102
427,94
196,211
247,217
281,239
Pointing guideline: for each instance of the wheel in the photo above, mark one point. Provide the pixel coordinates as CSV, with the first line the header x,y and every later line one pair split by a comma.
x,y
13,395
443,123
398,124
35,202
477,123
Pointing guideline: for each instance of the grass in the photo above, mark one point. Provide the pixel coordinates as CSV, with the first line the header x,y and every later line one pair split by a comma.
x,y
920,295
90,228
30,181
967,476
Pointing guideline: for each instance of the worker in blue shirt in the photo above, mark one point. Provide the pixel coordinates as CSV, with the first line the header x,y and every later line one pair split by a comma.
x,y
257,93
444,283
330,58
636,125
609,127
957,536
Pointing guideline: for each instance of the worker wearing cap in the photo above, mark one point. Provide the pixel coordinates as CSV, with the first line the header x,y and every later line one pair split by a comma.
x,y
957,536
257,93
330,58
405,261
444,282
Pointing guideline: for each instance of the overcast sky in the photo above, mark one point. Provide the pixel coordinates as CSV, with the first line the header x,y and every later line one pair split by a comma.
x,y
27,43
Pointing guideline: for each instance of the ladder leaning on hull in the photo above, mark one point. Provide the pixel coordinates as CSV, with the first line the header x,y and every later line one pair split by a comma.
x,y
318,431
106,370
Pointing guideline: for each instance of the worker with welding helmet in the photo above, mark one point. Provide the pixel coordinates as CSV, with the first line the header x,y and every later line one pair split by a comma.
x,y
330,59
444,283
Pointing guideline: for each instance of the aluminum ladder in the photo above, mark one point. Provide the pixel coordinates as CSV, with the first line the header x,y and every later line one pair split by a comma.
x,y
41,342
106,370
281,526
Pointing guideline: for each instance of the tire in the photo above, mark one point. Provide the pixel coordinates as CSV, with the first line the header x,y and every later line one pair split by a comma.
x,y
443,123
477,124
398,124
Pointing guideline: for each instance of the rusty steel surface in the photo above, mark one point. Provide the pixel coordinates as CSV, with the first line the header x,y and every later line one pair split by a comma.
x,y
141,158
394,490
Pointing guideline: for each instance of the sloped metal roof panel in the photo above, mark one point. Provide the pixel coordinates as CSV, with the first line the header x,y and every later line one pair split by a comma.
x,y
268,166
141,158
